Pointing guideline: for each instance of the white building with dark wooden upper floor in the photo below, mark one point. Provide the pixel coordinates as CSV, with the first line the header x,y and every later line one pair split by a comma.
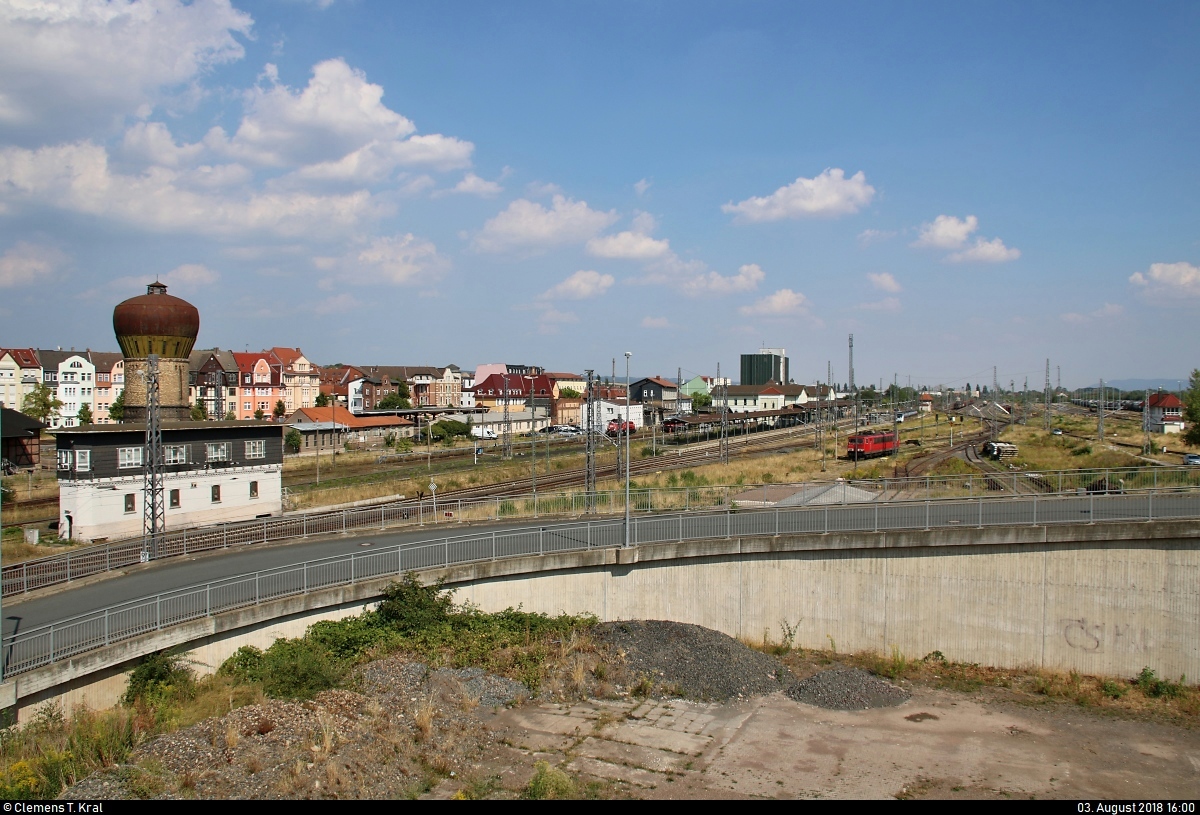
x,y
213,472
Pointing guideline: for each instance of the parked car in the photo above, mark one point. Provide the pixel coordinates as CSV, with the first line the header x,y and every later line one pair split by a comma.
x,y
618,428
1192,458
1056,431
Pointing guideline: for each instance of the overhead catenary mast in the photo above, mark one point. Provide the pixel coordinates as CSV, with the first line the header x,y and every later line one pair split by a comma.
x,y
154,515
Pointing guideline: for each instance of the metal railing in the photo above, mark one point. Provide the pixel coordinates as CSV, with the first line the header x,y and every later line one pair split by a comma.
x,y
46,644
20,578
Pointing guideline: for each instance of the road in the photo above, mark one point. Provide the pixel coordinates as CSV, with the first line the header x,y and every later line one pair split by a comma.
x,y
383,554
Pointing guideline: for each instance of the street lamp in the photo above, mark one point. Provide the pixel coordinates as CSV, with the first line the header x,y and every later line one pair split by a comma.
x,y
628,354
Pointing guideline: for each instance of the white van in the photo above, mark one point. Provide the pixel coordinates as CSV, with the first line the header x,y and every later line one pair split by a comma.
x,y
478,432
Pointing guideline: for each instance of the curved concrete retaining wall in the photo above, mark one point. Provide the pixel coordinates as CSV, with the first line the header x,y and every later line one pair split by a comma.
x,y
1103,599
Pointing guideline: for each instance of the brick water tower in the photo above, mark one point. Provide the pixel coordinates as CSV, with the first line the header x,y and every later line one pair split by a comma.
x,y
156,323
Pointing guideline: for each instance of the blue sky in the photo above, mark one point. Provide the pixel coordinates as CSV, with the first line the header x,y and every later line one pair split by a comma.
x,y
958,185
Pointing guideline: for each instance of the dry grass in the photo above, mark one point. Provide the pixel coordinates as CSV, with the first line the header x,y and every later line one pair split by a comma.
x,y
1144,697
423,719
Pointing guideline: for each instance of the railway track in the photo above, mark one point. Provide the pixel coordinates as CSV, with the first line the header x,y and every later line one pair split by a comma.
x,y
695,455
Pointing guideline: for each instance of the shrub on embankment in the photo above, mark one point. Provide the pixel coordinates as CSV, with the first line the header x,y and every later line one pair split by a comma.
x,y
41,758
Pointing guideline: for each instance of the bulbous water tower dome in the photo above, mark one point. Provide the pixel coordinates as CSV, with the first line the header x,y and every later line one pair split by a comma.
x,y
156,323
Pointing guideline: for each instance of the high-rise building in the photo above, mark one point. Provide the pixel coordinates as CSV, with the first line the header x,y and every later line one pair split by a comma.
x,y
769,364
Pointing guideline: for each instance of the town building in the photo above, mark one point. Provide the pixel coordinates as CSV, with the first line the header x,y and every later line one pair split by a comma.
x,y
1166,413
110,383
212,472
768,365
20,373
301,382
324,427
259,385
20,439
213,382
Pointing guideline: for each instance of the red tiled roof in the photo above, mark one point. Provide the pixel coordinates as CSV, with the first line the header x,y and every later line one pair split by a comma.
x,y
343,416
24,357
1165,400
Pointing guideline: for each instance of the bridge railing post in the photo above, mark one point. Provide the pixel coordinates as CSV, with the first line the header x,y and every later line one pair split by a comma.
x,y
927,509
1150,509
1035,509
981,512
1092,508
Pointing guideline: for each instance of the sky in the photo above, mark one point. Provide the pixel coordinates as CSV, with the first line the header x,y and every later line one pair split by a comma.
x,y
958,185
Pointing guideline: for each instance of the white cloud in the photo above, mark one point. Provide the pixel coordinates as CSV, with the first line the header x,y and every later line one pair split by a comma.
x,y
191,275
946,232
628,246
1168,283
747,279
335,304
474,185
337,113
77,177
829,194
551,319
68,66
27,264
655,322
641,187
886,304
152,143
869,236
374,162
539,189
949,232
528,225
985,251
397,260
580,286
883,281
782,303
1106,311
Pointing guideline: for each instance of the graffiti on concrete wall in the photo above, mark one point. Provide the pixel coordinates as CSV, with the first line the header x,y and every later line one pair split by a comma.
x,y
1092,637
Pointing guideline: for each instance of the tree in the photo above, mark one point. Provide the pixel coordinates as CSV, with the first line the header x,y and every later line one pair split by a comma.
x,y
293,440
402,390
41,404
701,400
280,409
199,412
1191,409
116,411
323,400
231,415
84,415
258,414
569,393
394,401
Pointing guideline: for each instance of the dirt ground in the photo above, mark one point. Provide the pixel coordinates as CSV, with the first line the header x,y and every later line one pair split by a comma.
x,y
938,745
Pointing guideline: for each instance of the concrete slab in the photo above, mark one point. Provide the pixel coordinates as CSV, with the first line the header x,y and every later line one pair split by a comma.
x,y
633,755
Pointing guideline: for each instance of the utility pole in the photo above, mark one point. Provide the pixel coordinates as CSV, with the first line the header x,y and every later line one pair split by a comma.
x,y
853,390
820,427
628,434
1046,396
1100,413
533,447
723,445
507,421
154,515
1146,423
895,417
589,478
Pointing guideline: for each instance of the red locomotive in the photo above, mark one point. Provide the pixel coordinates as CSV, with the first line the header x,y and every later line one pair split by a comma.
x,y
868,445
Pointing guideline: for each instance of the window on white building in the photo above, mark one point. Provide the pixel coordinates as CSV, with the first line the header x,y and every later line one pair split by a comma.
x,y
218,451
216,493
83,460
256,449
131,502
129,457
174,499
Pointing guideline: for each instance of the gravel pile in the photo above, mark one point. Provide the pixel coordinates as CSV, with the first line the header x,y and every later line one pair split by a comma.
x,y
490,690
847,689
692,661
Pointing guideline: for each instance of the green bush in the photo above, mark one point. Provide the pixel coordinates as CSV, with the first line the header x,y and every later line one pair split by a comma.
x,y
1155,688
297,669
409,607
549,783
160,677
